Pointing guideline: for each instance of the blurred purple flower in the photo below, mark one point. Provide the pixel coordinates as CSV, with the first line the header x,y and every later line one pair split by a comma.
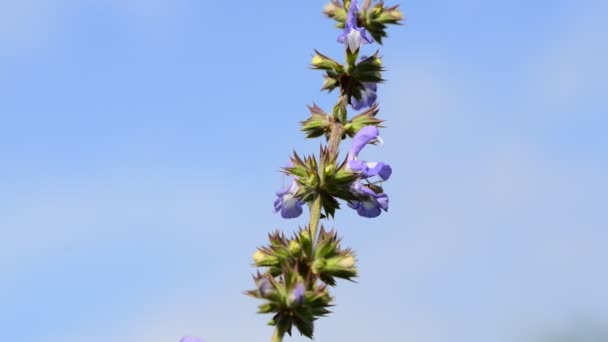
x,y
297,295
191,339
366,135
368,204
353,35
286,203
368,96
265,287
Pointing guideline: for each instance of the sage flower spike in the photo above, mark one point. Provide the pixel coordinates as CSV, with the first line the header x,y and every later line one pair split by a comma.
x,y
354,36
286,203
368,204
366,135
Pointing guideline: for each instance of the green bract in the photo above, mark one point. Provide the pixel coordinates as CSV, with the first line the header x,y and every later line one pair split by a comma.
x,y
318,124
366,118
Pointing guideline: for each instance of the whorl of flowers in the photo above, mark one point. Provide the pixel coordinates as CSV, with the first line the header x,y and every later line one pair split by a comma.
x,y
297,272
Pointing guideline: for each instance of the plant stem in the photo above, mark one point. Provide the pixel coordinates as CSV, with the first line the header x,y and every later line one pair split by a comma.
x,y
337,131
276,337
315,217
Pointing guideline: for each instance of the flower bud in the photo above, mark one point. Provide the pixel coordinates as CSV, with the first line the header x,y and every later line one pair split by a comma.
x,y
295,248
329,84
320,61
306,241
341,266
259,256
346,262
391,16
318,265
262,259
339,112
334,11
330,169
377,10
305,235
312,180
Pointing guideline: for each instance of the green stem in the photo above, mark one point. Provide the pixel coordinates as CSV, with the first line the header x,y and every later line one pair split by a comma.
x,y
315,217
337,131
277,336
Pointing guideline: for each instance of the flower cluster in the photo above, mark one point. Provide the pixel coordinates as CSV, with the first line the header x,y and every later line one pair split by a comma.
x,y
357,81
375,19
295,283
354,36
296,273
344,182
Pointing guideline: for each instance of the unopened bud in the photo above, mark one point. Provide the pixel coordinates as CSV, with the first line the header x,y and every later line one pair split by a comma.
x,y
312,180
305,235
329,84
331,8
262,259
317,60
342,266
347,262
294,247
390,16
339,113
259,256
323,62
318,265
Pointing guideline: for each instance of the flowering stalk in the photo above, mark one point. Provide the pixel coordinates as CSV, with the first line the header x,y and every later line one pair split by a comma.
x,y
337,130
298,271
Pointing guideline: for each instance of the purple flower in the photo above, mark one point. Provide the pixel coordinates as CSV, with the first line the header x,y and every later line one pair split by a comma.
x,y
368,96
191,339
365,136
368,204
354,36
297,295
265,287
286,203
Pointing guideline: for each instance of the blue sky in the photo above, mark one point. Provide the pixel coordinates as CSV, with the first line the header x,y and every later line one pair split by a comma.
x,y
140,143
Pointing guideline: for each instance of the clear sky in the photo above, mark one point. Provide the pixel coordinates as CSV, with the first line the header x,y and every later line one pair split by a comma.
x,y
140,143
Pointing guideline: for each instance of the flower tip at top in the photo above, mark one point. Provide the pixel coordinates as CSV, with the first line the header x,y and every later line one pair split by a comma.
x,y
353,35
